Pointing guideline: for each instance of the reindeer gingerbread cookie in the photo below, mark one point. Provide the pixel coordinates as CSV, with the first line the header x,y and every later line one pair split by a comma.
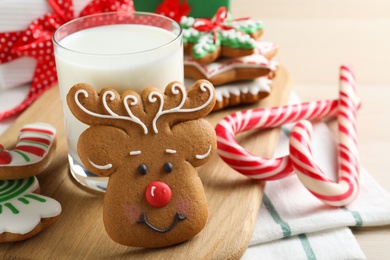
x,y
148,145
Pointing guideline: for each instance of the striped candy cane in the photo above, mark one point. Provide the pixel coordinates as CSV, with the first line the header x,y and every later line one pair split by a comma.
x,y
263,168
347,187
276,168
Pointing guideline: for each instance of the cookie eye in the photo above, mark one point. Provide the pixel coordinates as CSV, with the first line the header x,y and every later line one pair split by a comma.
x,y
168,167
142,169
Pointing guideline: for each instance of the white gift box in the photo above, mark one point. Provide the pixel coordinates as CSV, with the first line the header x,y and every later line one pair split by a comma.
x,y
16,15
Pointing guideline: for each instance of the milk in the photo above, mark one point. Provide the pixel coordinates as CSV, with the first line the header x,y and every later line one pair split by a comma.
x,y
129,57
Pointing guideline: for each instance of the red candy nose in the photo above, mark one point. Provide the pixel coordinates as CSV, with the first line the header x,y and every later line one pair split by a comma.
x,y
158,194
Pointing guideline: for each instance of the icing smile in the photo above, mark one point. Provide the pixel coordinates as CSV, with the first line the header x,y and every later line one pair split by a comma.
x,y
178,217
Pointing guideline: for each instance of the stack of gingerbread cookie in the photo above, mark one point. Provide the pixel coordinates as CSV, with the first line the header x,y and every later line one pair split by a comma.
x,y
23,212
228,53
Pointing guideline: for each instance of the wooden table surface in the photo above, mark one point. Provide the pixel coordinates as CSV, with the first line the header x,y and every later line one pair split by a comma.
x,y
315,37
233,200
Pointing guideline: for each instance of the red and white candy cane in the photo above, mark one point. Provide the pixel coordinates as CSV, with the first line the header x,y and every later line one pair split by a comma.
x,y
264,168
347,187
251,165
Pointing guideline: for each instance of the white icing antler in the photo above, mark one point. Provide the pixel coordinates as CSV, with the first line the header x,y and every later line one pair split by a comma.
x,y
112,115
134,101
177,89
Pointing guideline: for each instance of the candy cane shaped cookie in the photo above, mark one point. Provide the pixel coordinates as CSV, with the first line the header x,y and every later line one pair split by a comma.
x,y
32,153
347,187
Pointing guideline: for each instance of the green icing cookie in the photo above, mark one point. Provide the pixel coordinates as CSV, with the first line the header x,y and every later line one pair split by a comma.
x,y
231,33
21,209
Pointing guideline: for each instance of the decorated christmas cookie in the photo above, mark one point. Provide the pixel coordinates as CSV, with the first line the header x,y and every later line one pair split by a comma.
x,y
240,93
244,92
32,153
23,213
268,49
148,145
226,70
206,40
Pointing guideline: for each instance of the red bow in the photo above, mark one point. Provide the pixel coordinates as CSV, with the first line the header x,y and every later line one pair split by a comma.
x,y
207,25
173,9
215,24
36,42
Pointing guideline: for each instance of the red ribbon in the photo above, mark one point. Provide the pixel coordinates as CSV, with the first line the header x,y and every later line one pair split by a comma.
x,y
173,9
207,25
36,42
215,24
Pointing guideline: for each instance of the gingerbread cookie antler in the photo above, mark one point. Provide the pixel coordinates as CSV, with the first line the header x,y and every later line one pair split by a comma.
x,y
106,108
185,105
110,108
148,145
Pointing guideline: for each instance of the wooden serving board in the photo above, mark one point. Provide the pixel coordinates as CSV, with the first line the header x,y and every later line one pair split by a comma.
x,y
233,199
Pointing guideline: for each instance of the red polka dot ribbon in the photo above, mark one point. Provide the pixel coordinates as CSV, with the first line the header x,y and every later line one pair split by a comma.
x,y
174,9
36,42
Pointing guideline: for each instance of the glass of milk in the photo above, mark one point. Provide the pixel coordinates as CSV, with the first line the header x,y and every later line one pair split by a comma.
x,y
116,50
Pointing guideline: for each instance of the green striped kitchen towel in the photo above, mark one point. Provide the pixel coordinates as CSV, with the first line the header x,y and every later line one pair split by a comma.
x,y
293,224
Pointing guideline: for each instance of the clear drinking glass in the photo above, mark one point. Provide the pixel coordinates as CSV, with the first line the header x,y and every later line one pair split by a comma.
x,y
116,50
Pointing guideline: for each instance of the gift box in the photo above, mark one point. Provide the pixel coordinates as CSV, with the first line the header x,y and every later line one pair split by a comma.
x,y
199,8
26,48
15,18
16,15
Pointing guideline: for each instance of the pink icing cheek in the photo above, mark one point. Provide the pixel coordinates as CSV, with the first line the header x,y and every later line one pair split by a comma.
x,y
133,213
184,207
